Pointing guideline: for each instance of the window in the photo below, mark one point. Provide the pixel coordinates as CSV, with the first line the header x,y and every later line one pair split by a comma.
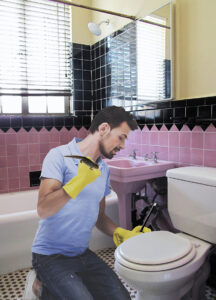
x,y
35,73
151,60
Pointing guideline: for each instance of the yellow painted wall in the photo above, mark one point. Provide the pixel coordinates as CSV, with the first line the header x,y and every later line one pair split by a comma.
x,y
195,48
80,19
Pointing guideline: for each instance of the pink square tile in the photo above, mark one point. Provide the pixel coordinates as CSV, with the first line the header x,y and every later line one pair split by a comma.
x,y
23,171
145,137
4,188
2,139
22,149
55,138
210,141
163,153
44,137
3,172
185,155
24,182
185,139
3,151
154,138
53,145
209,158
11,138
44,148
12,149
33,136
163,138
64,138
35,168
34,148
22,137
23,160
197,157
13,172
34,159
173,139
3,161
197,140
173,154
13,184
12,161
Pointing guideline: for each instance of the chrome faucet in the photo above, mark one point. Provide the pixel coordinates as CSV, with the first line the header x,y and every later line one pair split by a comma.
x,y
146,156
154,158
133,154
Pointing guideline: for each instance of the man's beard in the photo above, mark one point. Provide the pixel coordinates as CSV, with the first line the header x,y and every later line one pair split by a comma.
x,y
105,153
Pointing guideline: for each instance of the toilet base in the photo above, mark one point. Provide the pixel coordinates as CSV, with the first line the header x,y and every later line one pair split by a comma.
x,y
191,287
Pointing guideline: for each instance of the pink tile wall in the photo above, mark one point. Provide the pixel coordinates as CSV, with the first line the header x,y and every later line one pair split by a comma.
x,y
185,147
22,152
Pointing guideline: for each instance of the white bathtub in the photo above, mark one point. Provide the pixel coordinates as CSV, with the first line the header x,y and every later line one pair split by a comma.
x,y
18,225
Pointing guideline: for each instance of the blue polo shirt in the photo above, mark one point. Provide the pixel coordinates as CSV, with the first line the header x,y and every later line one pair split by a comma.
x,y
69,230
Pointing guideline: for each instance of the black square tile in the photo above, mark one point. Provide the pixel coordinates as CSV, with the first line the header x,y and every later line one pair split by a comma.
x,y
78,84
180,112
86,65
16,121
78,105
78,74
87,95
168,115
191,111
77,64
214,112
86,75
78,95
204,111
158,116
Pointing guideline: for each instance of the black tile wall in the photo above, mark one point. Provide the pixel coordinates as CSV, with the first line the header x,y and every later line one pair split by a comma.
x,y
104,74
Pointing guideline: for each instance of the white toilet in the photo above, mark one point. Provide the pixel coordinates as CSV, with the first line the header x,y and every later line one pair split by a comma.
x,y
173,266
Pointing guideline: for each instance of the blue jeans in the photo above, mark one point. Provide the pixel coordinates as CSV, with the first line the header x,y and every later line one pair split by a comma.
x,y
83,277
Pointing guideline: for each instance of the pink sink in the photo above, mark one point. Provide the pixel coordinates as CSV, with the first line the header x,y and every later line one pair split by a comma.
x,y
128,176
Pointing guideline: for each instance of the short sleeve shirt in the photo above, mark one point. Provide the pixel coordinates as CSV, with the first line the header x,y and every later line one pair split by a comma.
x,y
68,231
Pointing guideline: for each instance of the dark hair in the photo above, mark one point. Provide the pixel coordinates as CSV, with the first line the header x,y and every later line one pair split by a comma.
x,y
114,116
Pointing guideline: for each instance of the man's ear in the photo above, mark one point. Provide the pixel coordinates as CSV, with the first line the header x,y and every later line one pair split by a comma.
x,y
104,129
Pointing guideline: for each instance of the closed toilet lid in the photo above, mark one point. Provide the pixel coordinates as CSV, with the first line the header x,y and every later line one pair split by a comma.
x,y
157,247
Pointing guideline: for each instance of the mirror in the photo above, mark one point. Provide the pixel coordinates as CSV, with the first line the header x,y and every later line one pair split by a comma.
x,y
153,57
137,63
130,61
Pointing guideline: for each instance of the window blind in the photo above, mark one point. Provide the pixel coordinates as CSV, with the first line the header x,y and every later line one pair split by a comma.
x,y
35,38
151,60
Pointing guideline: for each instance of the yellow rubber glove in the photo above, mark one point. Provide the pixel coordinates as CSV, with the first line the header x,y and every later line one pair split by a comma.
x,y
120,234
85,176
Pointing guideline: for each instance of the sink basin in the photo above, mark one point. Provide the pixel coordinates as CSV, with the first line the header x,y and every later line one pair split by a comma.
x,y
128,175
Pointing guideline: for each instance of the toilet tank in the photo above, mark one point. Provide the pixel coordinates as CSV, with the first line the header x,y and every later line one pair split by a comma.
x,y
192,201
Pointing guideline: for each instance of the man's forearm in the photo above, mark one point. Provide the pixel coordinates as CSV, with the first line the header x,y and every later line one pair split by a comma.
x,y
51,203
106,225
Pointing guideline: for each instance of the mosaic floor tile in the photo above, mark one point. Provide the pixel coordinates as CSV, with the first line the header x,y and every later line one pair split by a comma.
x,y
12,284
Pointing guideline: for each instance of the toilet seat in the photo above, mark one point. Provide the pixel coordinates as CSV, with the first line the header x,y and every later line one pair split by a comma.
x,y
155,251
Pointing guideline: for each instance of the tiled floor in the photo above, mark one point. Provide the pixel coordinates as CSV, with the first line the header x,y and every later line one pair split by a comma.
x,y
12,284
